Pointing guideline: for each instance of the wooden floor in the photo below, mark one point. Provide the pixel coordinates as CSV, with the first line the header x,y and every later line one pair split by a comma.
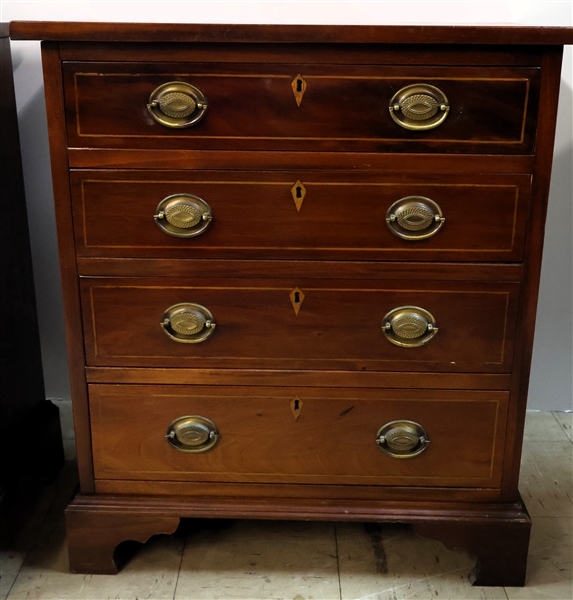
x,y
303,561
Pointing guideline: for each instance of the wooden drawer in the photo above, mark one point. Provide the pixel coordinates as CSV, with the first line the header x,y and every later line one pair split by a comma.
x,y
332,324
343,107
299,215
331,440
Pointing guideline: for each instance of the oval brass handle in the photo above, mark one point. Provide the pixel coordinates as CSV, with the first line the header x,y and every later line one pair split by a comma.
x,y
402,439
177,104
188,323
183,215
192,434
414,218
409,326
419,107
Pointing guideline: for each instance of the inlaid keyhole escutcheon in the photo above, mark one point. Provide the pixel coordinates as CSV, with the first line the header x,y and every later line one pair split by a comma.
x,y
414,218
177,104
188,323
409,326
192,434
183,215
296,298
402,439
419,107
298,88
296,407
298,192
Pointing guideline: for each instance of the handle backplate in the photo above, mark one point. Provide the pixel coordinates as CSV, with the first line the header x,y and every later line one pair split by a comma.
x,y
414,218
192,434
409,326
183,215
419,107
188,323
402,439
177,104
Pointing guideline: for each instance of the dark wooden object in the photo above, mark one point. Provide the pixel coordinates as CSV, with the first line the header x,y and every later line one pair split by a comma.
x,y
24,411
489,165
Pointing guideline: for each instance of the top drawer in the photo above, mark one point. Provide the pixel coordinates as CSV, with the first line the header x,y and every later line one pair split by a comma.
x,y
303,107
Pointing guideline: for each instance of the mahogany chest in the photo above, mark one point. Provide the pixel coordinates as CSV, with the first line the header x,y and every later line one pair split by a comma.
x,y
300,270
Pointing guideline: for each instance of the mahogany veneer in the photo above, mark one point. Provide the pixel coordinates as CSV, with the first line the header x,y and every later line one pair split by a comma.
x,y
299,160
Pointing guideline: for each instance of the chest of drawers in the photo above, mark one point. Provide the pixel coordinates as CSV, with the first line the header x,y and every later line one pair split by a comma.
x,y
300,269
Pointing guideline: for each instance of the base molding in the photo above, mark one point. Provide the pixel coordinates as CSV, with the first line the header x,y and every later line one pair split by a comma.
x,y
498,534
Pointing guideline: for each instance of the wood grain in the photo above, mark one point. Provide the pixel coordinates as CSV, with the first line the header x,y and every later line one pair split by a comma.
x,y
304,377
342,216
315,34
260,441
491,107
338,324
68,269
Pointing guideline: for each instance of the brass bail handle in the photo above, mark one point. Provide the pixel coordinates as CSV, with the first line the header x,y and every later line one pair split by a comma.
x,y
177,104
192,434
409,326
415,218
188,323
419,107
183,215
402,439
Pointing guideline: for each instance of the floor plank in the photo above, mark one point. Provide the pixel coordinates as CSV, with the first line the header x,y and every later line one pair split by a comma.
x,y
546,480
549,565
543,427
390,562
252,560
565,421
10,564
152,573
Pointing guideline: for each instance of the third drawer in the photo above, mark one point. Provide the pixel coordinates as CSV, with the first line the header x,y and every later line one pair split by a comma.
x,y
446,326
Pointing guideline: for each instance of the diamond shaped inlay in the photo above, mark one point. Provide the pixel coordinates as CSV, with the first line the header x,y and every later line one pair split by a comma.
x,y
297,298
298,88
296,407
298,192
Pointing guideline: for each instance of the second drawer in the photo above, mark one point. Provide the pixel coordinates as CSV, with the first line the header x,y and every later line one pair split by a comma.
x,y
344,216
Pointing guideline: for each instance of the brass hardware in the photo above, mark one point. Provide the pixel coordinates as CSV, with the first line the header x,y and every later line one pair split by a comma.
x,y
298,88
402,439
414,218
177,104
419,107
409,326
296,407
298,192
183,215
296,298
192,434
187,323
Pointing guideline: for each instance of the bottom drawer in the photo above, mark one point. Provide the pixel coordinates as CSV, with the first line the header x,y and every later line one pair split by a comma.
x,y
298,435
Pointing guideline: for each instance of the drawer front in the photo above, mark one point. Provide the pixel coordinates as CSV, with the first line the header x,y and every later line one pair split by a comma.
x,y
304,107
333,324
301,215
284,435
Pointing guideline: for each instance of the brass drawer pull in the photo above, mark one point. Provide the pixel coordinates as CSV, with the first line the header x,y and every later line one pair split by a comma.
x,y
192,434
402,439
419,107
177,104
414,218
409,326
183,215
188,323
